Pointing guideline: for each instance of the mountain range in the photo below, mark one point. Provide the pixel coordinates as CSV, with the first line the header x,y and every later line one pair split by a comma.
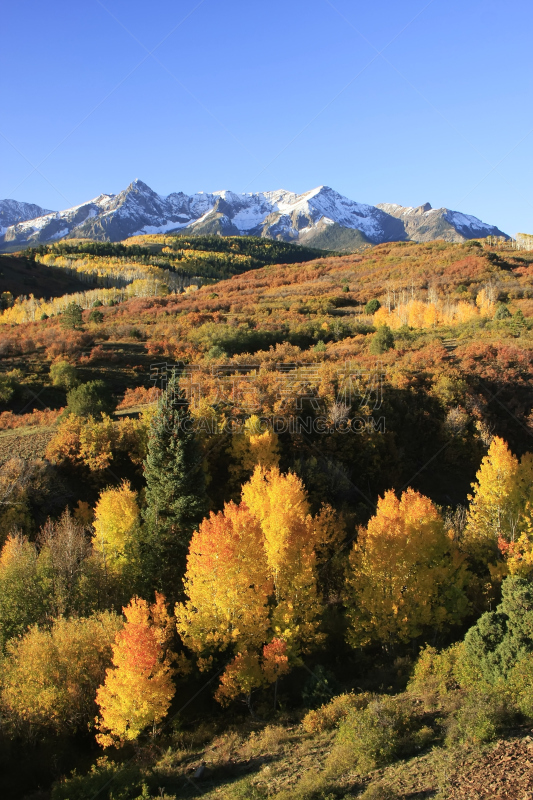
x,y
320,218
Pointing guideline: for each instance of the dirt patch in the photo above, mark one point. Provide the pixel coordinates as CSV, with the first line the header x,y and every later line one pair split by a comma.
x,y
504,773
25,443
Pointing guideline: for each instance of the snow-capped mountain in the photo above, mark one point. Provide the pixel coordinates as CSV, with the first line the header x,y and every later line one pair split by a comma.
x,y
303,218
424,224
11,212
111,217
320,217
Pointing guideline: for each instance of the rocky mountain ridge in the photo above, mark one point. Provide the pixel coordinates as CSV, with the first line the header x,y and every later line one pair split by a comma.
x,y
14,211
320,218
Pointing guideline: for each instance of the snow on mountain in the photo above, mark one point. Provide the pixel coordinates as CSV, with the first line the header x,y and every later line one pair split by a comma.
x,y
288,216
424,223
53,224
13,211
469,226
321,217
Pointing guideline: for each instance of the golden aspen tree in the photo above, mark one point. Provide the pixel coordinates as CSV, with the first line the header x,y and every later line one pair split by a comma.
x,y
494,504
519,553
518,550
465,312
115,516
279,503
138,689
403,577
485,300
430,316
253,447
51,674
251,583
226,584
97,439
382,317
416,314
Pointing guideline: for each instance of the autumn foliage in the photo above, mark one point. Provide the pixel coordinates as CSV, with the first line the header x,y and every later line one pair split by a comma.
x,y
51,676
404,577
251,583
138,688
115,517
279,549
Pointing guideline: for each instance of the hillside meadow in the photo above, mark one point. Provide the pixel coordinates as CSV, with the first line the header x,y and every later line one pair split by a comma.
x,y
267,528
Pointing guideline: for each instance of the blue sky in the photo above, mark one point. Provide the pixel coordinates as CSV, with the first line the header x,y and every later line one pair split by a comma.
x,y
385,101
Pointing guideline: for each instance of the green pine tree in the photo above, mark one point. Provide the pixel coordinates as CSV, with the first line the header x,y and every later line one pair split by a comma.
x,y
382,340
71,317
501,638
176,500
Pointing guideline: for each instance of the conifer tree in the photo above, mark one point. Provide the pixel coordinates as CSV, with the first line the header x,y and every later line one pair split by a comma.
x,y
176,501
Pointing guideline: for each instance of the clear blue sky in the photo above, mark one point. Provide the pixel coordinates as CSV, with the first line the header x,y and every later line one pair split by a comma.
x,y
384,100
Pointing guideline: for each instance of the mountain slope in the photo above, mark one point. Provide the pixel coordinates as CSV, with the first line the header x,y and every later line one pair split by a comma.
x,y
319,218
13,211
424,224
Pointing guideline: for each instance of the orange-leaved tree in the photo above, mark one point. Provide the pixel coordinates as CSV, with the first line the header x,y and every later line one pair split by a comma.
x,y
138,689
251,584
404,576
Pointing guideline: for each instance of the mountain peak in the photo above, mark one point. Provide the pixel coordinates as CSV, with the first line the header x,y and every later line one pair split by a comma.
x,y
141,186
319,217
14,211
319,190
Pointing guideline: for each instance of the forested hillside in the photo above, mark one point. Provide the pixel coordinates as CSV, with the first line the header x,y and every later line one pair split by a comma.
x,y
20,276
267,526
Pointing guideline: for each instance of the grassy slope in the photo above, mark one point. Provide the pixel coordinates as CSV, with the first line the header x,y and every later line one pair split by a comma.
x,y
279,761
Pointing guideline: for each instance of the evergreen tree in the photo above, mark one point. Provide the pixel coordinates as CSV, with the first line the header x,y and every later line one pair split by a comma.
x,y
501,638
96,316
72,316
502,312
519,322
372,306
176,501
382,340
